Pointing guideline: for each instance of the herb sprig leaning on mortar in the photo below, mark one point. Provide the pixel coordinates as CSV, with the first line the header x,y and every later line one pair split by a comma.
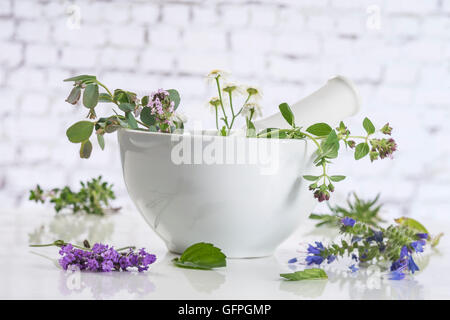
x,y
325,138
156,111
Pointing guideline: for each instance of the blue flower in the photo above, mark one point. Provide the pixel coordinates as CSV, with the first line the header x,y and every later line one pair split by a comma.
x,y
315,250
397,275
399,264
293,260
353,268
403,252
377,237
354,257
412,266
356,239
314,260
348,222
331,258
418,245
422,235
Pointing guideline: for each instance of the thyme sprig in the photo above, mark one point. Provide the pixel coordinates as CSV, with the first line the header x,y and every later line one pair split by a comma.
x,y
93,197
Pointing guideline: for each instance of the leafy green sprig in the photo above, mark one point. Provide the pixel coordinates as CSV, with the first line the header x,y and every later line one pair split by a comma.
x,y
327,141
93,197
365,211
87,88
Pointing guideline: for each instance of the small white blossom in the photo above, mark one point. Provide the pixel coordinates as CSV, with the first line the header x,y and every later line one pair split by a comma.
x,y
248,107
256,93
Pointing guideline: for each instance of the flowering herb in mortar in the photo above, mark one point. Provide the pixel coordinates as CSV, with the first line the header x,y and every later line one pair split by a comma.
x,y
156,112
92,198
101,258
326,139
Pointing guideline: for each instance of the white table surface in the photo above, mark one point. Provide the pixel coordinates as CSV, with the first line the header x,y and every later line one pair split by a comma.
x,y
33,273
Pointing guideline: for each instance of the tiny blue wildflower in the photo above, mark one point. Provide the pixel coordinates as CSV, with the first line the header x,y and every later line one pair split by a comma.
x,y
422,235
412,266
293,260
314,260
418,245
377,237
354,257
353,268
356,239
396,275
348,222
331,258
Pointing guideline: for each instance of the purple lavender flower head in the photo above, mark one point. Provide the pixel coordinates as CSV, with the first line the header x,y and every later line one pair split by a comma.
x,y
103,258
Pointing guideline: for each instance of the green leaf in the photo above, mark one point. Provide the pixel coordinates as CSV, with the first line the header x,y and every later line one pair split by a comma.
x,y
361,150
311,178
74,95
104,97
80,131
412,224
287,114
90,95
144,101
319,129
101,141
82,77
368,125
337,178
147,117
131,120
330,147
175,97
85,149
307,274
126,107
204,256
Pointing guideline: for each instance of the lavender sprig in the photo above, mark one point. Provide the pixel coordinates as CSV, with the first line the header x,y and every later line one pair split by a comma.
x,y
101,257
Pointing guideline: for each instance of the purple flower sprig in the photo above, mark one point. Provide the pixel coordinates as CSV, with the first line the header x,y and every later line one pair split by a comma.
x,y
101,257
396,244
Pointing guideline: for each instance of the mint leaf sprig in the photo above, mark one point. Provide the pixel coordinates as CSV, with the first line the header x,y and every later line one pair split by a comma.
x,y
93,197
366,211
156,111
203,256
327,141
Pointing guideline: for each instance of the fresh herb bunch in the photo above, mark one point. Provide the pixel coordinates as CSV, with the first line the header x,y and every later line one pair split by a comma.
x,y
395,244
101,257
328,142
156,112
93,197
227,94
365,211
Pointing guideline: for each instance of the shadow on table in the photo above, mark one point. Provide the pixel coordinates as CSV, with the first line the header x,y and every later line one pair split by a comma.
x,y
106,285
204,281
74,228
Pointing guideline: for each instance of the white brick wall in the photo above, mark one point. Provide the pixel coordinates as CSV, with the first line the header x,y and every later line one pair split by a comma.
x,y
288,47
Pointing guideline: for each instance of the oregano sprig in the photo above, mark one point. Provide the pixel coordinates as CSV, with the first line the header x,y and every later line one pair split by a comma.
x,y
156,111
327,141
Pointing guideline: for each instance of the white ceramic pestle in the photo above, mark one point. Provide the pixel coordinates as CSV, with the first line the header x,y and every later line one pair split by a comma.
x,y
335,101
